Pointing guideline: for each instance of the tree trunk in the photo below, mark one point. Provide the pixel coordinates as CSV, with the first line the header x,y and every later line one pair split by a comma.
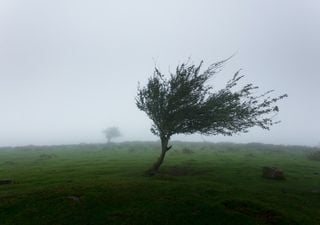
x,y
164,148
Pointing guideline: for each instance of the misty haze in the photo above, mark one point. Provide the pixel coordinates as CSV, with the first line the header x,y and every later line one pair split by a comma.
x,y
159,112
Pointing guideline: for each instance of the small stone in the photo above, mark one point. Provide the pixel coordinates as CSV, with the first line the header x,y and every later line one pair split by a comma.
x,y
73,198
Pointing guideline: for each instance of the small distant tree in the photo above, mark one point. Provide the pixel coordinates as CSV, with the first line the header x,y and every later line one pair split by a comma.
x,y
112,132
183,103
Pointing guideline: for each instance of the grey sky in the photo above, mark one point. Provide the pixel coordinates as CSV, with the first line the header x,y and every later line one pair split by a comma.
x,y
69,69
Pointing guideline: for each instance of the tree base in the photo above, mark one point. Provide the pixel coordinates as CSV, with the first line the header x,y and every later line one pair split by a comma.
x,y
150,173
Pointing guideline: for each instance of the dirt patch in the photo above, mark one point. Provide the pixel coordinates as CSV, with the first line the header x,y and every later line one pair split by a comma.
x,y
273,173
182,170
6,181
266,216
315,191
47,156
9,163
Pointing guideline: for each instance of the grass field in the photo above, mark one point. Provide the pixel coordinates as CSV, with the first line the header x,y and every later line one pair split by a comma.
x,y
199,183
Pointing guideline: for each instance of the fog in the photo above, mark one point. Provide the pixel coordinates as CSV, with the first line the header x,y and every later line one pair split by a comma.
x,y
70,69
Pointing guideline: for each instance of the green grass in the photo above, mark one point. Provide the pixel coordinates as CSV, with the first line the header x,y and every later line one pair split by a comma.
x,y
210,184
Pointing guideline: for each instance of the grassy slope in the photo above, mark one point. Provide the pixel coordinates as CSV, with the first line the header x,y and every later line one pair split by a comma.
x,y
217,184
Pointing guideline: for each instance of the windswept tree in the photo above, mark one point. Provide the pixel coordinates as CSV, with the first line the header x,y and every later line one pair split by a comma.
x,y
184,103
112,132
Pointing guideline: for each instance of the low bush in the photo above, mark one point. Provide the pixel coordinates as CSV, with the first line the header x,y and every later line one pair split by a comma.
x,y
187,151
314,156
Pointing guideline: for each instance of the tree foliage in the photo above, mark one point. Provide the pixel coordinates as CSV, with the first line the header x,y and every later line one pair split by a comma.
x,y
112,132
184,103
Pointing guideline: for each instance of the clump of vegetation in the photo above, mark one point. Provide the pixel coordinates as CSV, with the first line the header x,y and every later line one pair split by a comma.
x,y
47,156
187,151
9,163
132,150
314,156
251,155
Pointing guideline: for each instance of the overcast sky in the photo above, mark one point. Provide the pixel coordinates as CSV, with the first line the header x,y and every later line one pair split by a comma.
x,y
69,69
